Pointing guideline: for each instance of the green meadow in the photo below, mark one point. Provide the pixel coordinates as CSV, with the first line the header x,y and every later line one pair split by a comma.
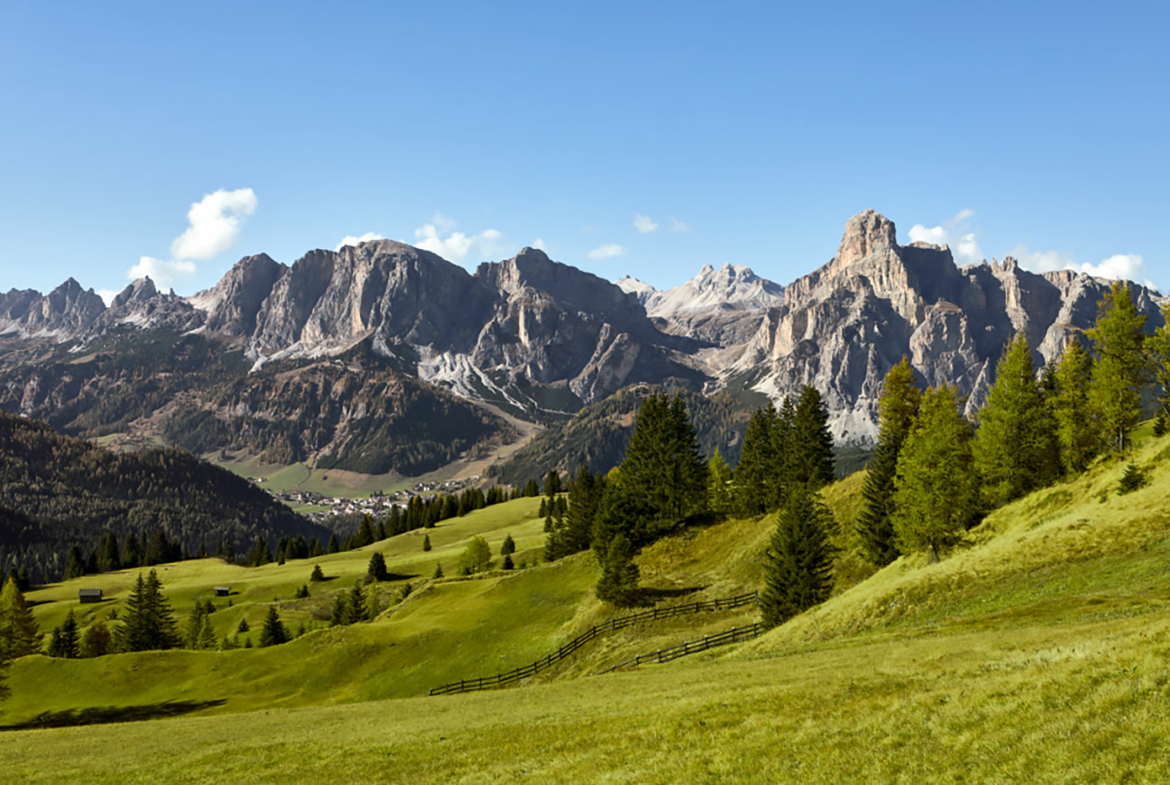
x,y
1039,650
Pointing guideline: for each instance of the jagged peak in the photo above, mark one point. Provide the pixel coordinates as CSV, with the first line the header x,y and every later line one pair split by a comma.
x,y
865,233
141,289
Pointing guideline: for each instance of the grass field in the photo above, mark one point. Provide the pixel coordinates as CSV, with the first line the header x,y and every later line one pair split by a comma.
x,y
1038,651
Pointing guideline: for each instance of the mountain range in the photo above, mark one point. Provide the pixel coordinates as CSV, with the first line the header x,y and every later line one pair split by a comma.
x,y
527,337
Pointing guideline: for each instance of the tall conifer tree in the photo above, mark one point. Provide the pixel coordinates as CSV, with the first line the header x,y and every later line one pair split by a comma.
x,y
1077,429
754,474
1158,349
1121,367
19,634
1015,446
936,493
808,458
896,412
799,570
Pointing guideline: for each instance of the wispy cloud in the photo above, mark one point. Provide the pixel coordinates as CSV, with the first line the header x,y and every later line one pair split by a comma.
x,y
164,273
678,226
644,224
954,233
607,251
349,239
1122,266
438,236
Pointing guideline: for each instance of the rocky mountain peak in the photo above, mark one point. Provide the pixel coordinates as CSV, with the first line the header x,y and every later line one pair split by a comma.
x,y
866,233
140,290
232,304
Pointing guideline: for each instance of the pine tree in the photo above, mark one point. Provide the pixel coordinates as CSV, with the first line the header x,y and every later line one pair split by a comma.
x,y
936,492
340,612
584,502
754,475
808,457
426,542
333,546
508,546
377,568
19,635
1016,449
896,412
365,535
543,511
273,632
718,485
1158,351
619,575
194,629
1121,367
243,626
317,575
1077,428
438,571
148,623
207,634
799,571
552,484
65,640
508,564
356,605
97,641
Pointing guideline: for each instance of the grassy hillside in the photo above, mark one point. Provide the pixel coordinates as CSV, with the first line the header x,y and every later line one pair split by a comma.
x,y
1036,652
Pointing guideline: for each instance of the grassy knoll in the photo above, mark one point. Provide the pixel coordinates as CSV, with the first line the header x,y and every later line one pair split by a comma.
x,y
1039,651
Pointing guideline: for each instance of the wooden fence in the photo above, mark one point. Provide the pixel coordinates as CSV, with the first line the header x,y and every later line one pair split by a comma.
x,y
734,635
655,614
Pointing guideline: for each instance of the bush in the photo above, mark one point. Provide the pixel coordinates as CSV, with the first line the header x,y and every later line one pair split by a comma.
x,y
1133,479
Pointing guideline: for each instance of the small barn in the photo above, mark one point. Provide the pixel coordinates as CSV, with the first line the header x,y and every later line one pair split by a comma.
x,y
223,591
89,595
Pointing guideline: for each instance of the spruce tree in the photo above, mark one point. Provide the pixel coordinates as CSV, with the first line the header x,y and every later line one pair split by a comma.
x,y
754,474
718,485
508,546
193,633
438,571
508,564
207,634
65,641
1158,350
365,534
1122,366
333,546
377,567
19,634
808,458
273,632
317,575
619,575
799,569
97,641
1015,446
1077,428
356,605
896,412
936,492
148,623
340,612
552,484
426,542
243,626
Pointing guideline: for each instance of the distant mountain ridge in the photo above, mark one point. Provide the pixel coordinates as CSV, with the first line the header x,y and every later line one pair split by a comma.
x,y
539,338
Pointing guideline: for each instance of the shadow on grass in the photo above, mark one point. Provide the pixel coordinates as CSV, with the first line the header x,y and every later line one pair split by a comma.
x,y
100,715
648,596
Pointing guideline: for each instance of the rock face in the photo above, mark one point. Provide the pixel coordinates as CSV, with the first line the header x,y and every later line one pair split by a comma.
x,y
65,313
844,325
534,334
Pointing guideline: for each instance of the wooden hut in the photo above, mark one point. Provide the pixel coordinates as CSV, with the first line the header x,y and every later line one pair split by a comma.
x,y
89,595
223,591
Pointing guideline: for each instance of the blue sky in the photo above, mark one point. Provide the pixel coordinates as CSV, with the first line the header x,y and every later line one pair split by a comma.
x,y
745,133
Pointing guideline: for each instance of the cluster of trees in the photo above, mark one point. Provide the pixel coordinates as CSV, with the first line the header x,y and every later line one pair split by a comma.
x,y
935,473
76,507
660,483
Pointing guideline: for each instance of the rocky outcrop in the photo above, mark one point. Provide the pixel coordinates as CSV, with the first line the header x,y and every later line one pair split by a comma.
x,y
844,325
140,305
233,304
62,314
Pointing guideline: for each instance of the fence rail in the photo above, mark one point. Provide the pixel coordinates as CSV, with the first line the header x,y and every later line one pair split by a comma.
x,y
655,614
734,635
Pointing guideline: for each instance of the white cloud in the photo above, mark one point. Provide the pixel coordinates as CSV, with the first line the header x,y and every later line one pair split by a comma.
x,y
964,245
107,295
538,244
678,226
215,222
455,246
1122,266
607,251
163,273
349,239
644,224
